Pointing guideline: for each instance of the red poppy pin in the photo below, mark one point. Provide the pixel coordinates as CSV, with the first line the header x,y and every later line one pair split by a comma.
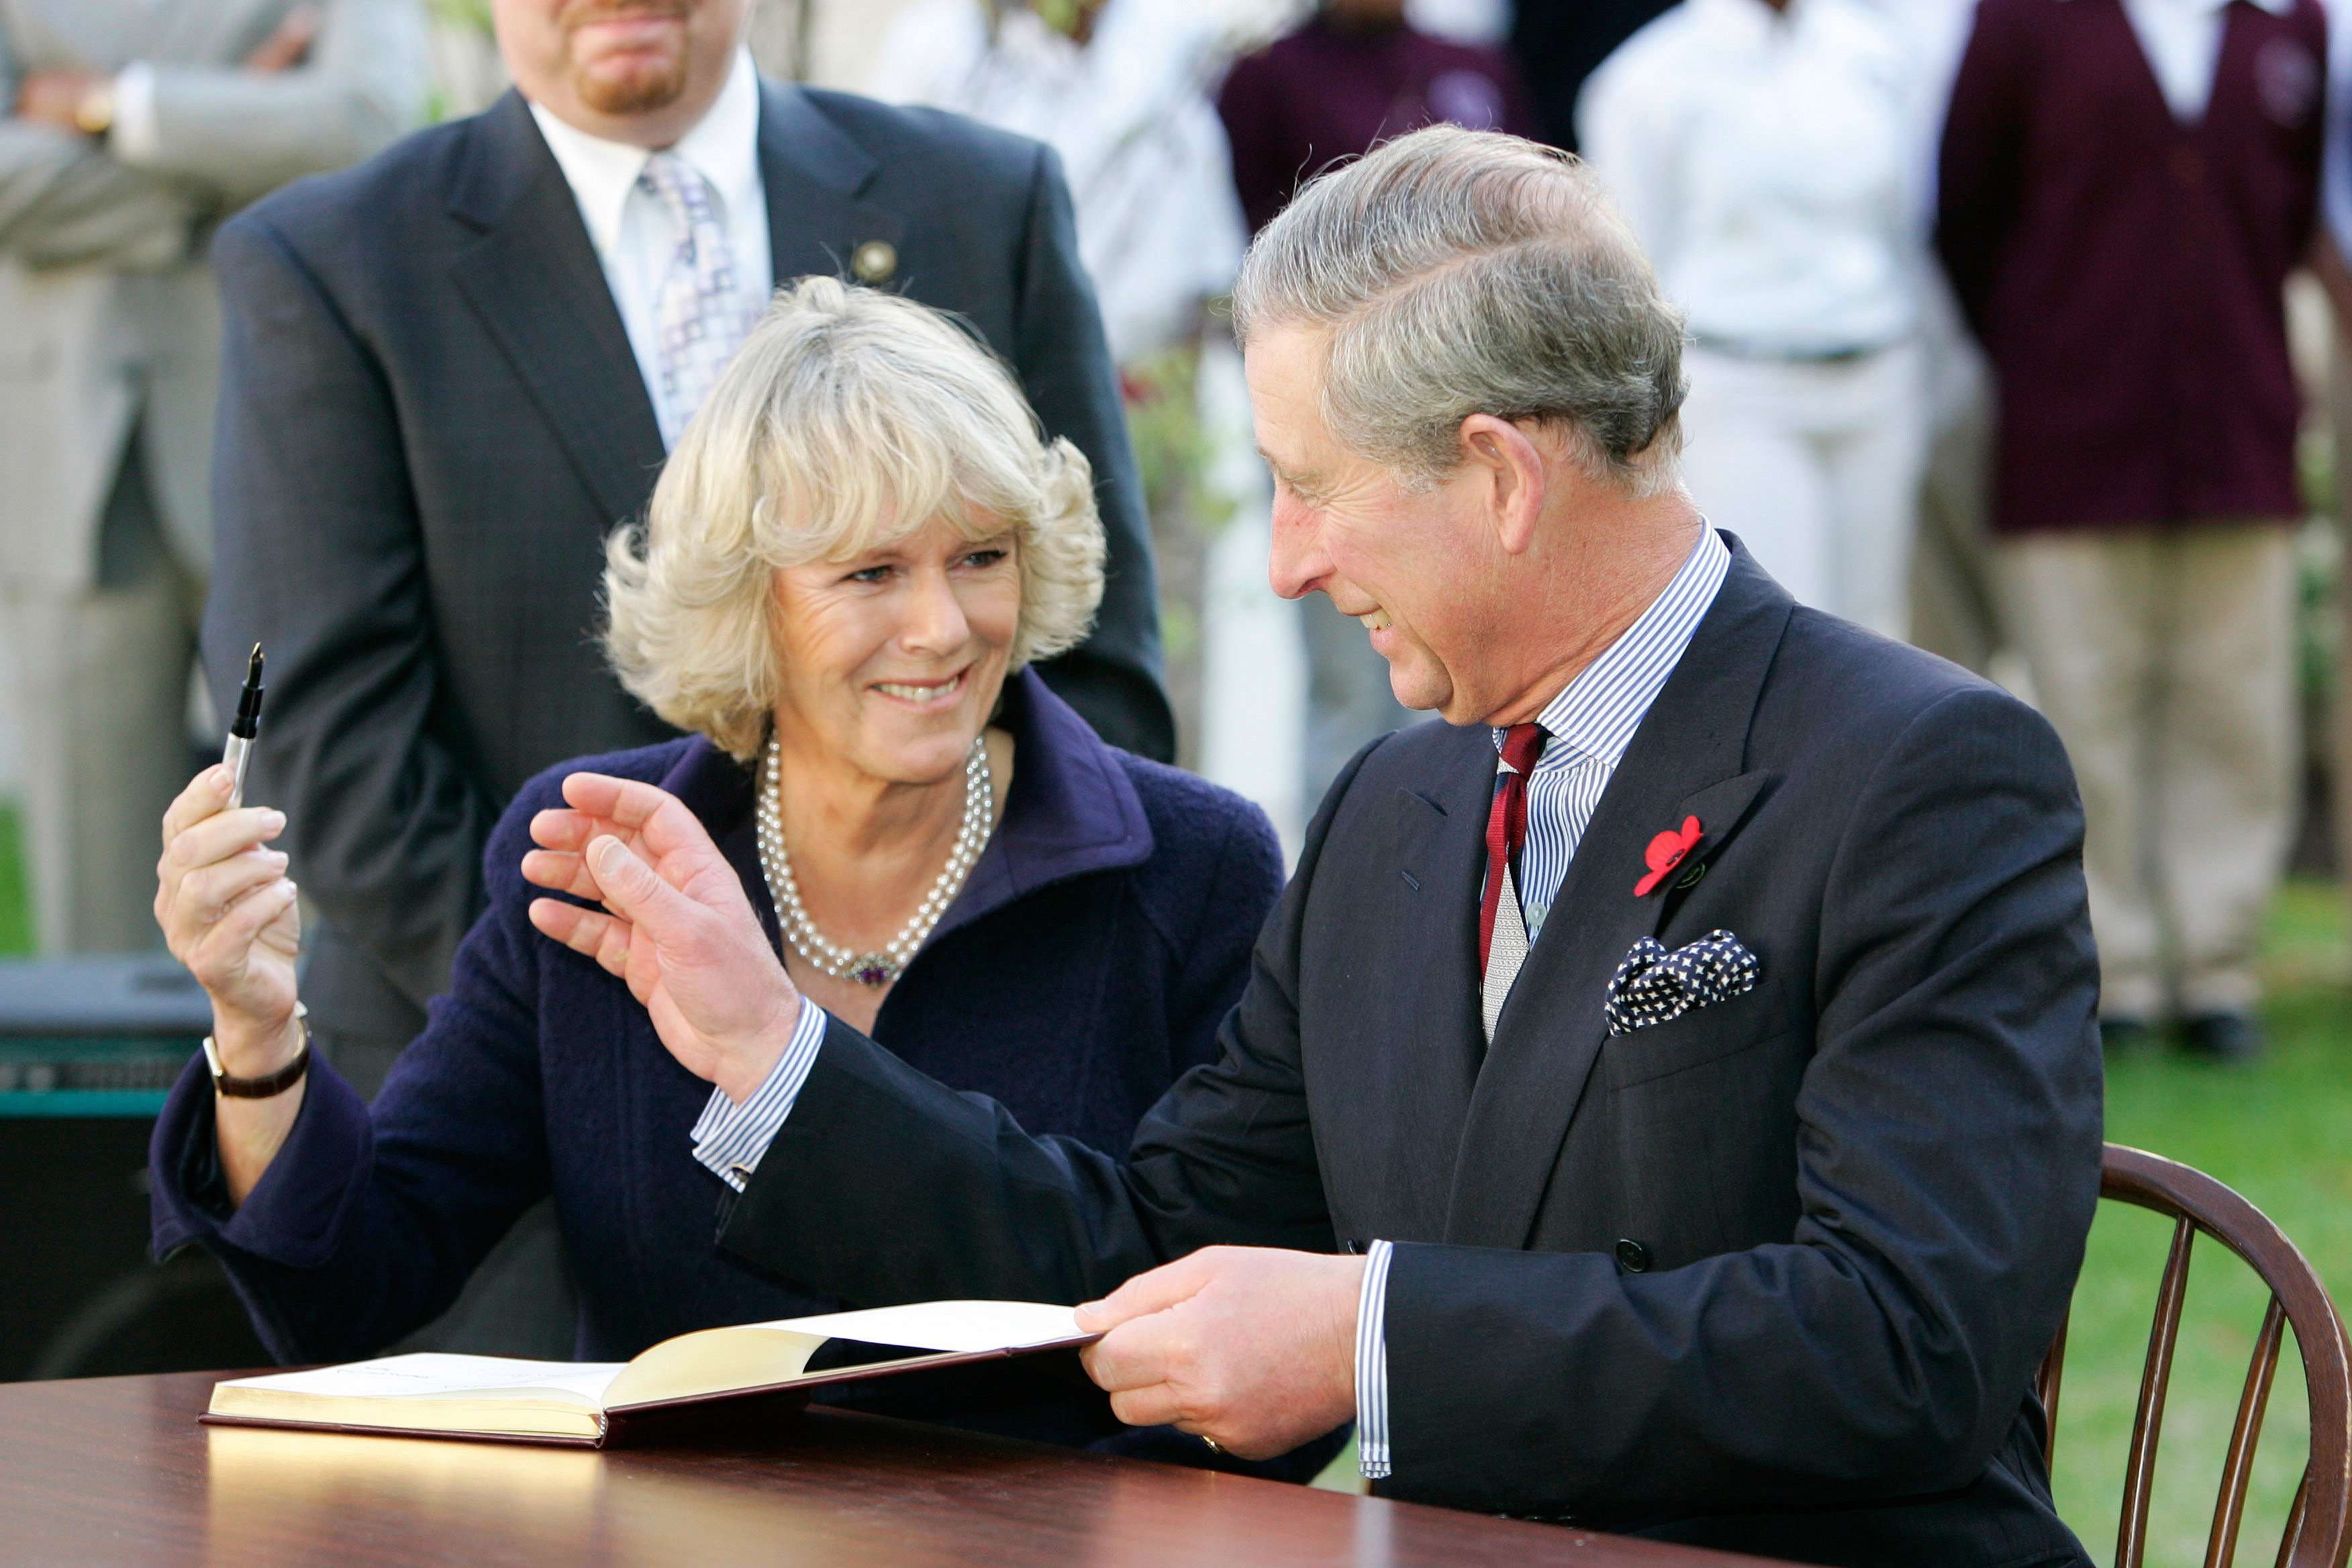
x,y
1665,852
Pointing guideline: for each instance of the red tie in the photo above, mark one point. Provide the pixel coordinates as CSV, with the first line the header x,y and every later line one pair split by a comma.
x,y
1506,824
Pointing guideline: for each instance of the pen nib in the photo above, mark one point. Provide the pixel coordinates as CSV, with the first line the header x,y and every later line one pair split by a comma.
x,y
253,668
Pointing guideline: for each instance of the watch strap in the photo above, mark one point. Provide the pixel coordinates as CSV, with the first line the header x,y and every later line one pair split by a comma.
x,y
270,1084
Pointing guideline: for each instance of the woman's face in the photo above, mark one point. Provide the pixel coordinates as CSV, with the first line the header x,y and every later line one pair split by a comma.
x,y
892,661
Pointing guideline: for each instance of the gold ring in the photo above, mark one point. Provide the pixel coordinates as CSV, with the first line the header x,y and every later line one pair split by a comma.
x,y
1215,1447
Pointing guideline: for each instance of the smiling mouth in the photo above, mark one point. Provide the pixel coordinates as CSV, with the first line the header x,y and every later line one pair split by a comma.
x,y
926,693
1376,620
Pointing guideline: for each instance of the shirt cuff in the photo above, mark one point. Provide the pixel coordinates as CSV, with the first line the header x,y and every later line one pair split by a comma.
x,y
134,137
728,1138
1372,1364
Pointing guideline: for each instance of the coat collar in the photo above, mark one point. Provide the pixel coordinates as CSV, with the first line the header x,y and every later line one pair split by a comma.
x,y
1689,758
533,278
1072,809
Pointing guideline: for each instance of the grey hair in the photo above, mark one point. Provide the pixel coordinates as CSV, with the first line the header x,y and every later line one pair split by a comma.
x,y
1461,272
849,420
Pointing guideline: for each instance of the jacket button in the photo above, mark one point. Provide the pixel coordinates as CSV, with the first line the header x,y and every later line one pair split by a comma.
x,y
1632,1256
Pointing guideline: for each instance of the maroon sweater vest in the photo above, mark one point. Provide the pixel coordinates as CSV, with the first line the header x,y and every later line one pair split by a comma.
x,y
2124,270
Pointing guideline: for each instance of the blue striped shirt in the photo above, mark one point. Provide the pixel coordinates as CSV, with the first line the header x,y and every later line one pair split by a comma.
x,y
730,1138
1590,724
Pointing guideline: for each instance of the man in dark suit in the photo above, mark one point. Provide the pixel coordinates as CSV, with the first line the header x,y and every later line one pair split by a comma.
x,y
1668,1094
451,372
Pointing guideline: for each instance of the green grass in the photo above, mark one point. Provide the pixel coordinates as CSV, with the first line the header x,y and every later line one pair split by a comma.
x,y
15,897
2280,1133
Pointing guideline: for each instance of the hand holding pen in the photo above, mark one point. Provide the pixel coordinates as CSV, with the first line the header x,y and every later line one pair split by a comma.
x,y
227,907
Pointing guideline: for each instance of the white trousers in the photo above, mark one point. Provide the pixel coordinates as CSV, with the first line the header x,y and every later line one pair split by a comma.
x,y
1815,465
2167,663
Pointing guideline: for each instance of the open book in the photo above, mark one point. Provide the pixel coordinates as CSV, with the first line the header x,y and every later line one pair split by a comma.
x,y
504,1399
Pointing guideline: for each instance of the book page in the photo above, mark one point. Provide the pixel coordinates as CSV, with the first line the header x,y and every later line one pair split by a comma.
x,y
962,1326
763,1355
433,1375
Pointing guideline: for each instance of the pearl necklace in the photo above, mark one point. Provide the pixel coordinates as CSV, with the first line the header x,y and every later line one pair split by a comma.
x,y
874,969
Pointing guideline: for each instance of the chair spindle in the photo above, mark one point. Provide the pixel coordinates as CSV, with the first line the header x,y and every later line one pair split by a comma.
x,y
2237,1469
2139,1468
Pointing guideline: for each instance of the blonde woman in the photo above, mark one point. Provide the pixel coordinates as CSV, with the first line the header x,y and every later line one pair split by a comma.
x,y
853,555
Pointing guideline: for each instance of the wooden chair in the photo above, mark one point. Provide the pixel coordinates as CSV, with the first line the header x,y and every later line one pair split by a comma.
x,y
2318,1531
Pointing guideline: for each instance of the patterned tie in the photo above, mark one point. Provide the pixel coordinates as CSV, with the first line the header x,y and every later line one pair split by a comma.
x,y
1502,930
701,311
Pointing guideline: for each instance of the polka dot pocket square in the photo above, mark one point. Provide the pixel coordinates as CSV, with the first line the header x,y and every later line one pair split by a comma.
x,y
1656,986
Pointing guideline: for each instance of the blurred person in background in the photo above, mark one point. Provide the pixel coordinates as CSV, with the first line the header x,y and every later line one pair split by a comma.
x,y
1558,44
132,127
2335,278
1761,148
1357,72
1118,88
2124,190
1955,609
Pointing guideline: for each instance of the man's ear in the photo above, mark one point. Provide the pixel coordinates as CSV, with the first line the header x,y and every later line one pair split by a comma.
x,y
1508,473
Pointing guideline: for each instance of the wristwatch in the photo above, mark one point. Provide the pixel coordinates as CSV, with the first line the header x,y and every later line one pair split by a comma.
x,y
95,112
278,1082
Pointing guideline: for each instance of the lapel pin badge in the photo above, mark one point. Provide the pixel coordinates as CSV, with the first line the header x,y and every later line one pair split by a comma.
x,y
874,262
1665,852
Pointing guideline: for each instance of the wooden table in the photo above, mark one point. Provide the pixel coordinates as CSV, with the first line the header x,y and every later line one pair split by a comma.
x,y
116,1471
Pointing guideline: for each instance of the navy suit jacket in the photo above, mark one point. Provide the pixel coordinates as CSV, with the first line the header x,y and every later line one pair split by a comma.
x,y
1774,1276
431,419
1099,941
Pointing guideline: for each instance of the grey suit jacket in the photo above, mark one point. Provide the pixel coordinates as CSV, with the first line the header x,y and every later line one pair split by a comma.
x,y
107,319
431,421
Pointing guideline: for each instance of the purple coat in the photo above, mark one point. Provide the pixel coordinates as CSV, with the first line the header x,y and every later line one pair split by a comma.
x,y
1102,937
1324,93
2124,270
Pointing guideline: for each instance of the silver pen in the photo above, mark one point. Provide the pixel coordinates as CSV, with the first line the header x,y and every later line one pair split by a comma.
x,y
238,754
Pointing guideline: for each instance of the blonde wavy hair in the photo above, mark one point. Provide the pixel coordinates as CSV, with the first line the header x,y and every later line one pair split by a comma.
x,y
849,420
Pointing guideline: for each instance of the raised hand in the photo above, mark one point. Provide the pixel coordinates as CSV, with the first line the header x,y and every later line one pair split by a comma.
x,y
1251,1347
673,923
229,914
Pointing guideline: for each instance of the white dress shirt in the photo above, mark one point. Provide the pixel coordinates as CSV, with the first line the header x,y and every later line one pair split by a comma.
x,y
1590,724
1767,161
634,235
2182,41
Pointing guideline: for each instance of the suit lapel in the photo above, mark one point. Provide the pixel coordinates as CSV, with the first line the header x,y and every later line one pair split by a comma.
x,y
814,173
1687,755
534,280
1441,855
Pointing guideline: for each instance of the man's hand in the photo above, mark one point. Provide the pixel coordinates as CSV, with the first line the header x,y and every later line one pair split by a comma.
x,y
1248,1346
53,98
290,45
675,925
